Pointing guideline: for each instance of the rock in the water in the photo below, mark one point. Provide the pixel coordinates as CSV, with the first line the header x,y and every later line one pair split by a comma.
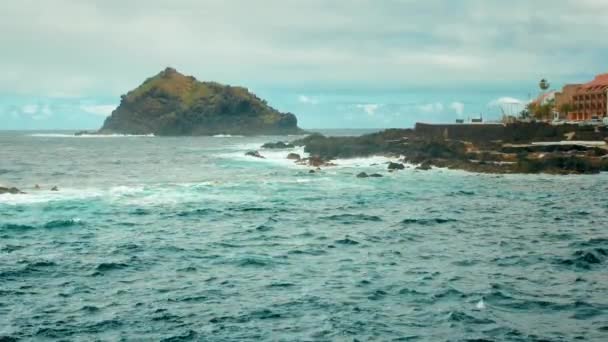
x,y
255,154
425,166
294,156
311,171
278,145
54,188
395,166
362,175
315,161
376,175
12,190
79,133
173,104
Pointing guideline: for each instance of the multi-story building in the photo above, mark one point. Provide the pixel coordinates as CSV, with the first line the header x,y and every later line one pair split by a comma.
x,y
587,101
563,100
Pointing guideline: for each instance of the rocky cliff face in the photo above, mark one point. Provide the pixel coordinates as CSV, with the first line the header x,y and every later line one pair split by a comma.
x,y
171,103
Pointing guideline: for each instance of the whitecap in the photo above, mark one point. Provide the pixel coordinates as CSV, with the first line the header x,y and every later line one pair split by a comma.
x,y
274,157
227,136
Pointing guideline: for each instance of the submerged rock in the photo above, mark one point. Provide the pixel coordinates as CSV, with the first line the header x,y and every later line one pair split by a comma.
x,y
255,154
54,188
12,190
362,175
376,175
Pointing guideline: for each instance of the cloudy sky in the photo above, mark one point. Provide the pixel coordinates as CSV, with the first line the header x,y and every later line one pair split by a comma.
x,y
351,63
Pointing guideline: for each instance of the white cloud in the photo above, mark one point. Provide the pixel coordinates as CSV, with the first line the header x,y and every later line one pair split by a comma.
x,y
102,110
369,108
458,107
506,101
508,105
436,107
422,42
29,109
307,100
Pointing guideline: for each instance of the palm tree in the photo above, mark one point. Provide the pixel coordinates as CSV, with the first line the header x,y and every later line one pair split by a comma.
x,y
544,85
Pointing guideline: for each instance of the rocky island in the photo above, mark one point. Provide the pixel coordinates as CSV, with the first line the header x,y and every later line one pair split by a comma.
x,y
497,148
172,104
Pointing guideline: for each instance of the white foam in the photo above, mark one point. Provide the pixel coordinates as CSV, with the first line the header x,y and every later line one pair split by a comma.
x,y
480,305
68,194
365,161
227,136
271,156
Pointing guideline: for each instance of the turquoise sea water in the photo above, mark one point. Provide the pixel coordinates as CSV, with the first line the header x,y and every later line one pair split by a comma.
x,y
183,239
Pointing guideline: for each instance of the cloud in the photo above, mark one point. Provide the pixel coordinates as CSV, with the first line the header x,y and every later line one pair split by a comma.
x,y
29,109
32,111
102,110
458,107
436,107
307,100
398,43
369,108
508,105
506,100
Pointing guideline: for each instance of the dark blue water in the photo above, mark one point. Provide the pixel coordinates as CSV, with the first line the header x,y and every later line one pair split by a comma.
x,y
183,239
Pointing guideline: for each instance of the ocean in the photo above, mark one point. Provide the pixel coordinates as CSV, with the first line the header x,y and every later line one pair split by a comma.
x,y
187,239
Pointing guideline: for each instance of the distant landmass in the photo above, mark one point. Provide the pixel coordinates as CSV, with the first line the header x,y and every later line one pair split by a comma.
x,y
173,104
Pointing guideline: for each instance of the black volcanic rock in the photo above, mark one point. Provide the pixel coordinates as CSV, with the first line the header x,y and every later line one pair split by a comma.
x,y
277,145
174,104
255,154
14,191
294,156
395,166
362,175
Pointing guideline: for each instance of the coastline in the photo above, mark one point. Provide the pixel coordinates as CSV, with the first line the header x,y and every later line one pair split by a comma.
x,y
501,149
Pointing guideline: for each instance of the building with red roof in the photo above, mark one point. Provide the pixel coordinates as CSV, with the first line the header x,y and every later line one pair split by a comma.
x,y
587,101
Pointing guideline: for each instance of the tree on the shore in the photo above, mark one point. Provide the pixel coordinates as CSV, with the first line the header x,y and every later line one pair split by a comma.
x,y
566,108
541,111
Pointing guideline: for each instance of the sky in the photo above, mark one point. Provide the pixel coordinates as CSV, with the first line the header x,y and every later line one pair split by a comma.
x,y
335,64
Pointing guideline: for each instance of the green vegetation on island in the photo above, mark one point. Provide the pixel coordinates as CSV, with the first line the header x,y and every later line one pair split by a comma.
x,y
173,104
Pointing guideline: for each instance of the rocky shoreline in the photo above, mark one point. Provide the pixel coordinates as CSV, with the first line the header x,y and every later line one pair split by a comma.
x,y
521,149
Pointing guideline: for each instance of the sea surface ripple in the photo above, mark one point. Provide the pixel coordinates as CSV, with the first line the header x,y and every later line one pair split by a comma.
x,y
187,239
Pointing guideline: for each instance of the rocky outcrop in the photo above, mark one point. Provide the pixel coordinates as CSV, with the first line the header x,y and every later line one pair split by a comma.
x,y
254,154
395,166
481,155
365,175
315,161
424,166
11,190
173,104
278,145
294,156
362,175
